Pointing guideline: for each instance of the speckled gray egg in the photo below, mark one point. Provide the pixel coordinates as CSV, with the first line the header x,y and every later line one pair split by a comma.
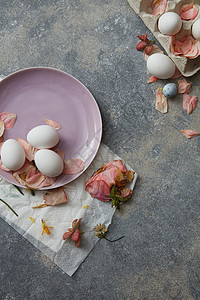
x,y
170,90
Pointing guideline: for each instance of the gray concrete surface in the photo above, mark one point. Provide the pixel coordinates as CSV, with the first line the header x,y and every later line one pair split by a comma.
x,y
159,258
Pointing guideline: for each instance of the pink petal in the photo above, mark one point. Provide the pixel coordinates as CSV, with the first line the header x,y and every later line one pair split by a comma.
x,y
1,128
67,234
3,167
177,74
193,53
60,153
189,133
54,124
28,149
99,190
155,49
187,45
8,119
158,7
152,79
48,181
189,103
184,87
55,197
73,166
189,12
126,192
161,101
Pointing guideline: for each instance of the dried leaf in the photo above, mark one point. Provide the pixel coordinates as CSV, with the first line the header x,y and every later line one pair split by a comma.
x,y
189,103
189,133
161,101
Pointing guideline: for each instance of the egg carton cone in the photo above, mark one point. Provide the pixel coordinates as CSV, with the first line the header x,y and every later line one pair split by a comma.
x,y
187,66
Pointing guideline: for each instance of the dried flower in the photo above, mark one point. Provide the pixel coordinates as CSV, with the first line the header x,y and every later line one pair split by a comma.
x,y
74,232
100,232
108,183
161,101
144,44
189,103
45,228
189,11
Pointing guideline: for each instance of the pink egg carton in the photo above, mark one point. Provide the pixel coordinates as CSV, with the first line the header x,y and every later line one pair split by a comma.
x,y
187,66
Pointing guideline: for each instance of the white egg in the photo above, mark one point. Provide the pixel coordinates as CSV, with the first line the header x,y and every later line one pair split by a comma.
x,y
160,66
169,23
196,29
12,155
48,162
43,136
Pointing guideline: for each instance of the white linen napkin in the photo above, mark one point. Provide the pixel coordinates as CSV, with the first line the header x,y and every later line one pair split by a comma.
x,y
80,205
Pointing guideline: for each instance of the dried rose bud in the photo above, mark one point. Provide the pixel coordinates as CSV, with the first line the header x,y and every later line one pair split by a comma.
x,y
141,45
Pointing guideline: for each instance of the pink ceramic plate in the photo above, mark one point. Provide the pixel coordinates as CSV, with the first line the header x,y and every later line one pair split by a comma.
x,y
37,94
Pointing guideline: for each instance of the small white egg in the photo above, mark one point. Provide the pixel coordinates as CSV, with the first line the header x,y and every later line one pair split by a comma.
x,y
43,136
169,23
160,66
196,29
48,162
12,155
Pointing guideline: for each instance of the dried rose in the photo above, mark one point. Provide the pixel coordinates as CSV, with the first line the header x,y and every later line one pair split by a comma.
x,y
141,45
142,37
111,174
74,232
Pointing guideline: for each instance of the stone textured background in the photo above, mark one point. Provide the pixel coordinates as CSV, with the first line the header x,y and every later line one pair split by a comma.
x,y
159,257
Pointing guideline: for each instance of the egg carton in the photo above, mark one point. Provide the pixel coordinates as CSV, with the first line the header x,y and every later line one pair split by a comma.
x,y
187,67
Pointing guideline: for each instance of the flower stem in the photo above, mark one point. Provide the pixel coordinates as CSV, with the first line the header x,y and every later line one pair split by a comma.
x,y
9,207
18,189
114,240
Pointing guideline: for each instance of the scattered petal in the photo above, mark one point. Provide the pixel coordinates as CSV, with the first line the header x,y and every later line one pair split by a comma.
x,y
161,101
184,87
141,45
54,124
158,7
152,79
1,128
177,74
186,46
86,206
189,11
73,166
155,49
142,37
189,133
8,119
28,149
189,103
60,153
32,219
74,232
55,197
